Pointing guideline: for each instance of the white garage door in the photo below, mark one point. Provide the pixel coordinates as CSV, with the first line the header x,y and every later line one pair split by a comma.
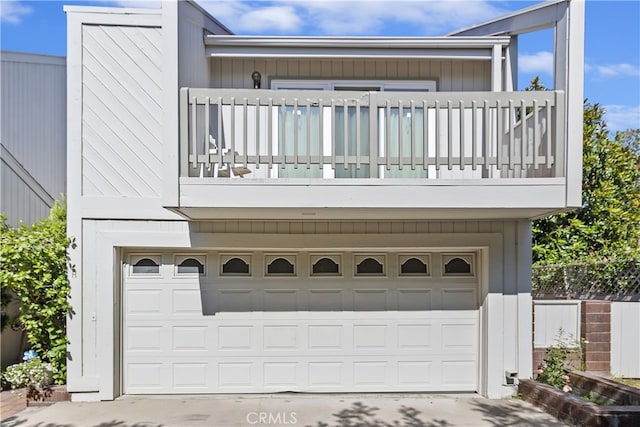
x,y
336,322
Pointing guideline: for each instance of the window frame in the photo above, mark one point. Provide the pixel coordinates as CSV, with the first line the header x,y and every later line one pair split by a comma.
x,y
137,257
226,257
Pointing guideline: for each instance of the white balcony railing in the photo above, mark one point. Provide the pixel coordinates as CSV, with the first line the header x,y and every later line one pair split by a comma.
x,y
267,134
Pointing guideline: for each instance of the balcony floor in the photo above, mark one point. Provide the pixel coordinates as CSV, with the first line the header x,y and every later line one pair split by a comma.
x,y
202,199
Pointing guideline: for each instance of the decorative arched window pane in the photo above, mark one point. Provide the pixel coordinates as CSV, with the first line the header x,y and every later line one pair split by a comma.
x,y
326,266
457,266
235,266
281,266
145,266
370,266
413,266
191,266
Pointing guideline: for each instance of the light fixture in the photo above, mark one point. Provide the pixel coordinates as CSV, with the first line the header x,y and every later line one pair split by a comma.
x,y
256,77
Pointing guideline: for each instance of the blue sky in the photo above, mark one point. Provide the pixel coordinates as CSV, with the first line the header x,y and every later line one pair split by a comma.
x,y
612,38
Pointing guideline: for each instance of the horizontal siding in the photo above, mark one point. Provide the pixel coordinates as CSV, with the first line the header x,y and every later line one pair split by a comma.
x,y
121,115
33,96
449,75
17,201
372,227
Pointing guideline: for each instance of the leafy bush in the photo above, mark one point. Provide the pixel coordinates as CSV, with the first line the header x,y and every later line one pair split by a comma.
x,y
32,373
33,267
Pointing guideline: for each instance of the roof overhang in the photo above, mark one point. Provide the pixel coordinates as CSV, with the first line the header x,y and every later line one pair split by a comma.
x,y
475,48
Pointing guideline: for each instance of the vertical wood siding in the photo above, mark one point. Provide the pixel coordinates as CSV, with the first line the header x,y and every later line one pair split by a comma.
x,y
122,113
449,75
33,131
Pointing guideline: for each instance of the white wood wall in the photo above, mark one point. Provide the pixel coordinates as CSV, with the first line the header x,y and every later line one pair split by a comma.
x,y
625,339
32,135
449,75
122,112
550,316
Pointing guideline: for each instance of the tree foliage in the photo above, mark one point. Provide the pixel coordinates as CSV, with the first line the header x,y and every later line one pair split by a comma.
x,y
33,267
607,226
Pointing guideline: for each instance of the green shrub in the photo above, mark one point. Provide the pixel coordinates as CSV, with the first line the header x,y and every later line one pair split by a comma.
x,y
33,267
28,374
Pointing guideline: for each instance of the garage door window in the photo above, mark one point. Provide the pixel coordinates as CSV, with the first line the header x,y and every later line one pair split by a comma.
x,y
414,265
328,265
145,265
369,265
190,265
458,265
239,265
281,265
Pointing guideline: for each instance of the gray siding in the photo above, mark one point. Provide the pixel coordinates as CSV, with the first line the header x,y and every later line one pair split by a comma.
x,y
32,134
449,75
122,113
192,60
19,202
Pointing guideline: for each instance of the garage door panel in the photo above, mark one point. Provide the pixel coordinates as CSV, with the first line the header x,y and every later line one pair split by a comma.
x,y
416,373
459,299
144,338
281,299
190,376
459,336
416,336
325,299
327,338
459,373
236,374
144,301
338,334
281,337
414,299
189,338
370,300
235,337
186,302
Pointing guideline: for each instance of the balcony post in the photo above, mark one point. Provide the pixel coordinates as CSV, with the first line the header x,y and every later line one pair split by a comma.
x,y
184,132
373,135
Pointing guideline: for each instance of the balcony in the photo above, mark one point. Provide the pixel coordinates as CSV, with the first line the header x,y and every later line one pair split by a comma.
x,y
354,153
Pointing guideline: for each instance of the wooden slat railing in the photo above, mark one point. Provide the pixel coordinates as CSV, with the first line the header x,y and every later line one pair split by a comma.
x,y
372,134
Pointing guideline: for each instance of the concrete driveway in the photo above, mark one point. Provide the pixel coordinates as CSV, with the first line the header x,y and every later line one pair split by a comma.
x,y
291,410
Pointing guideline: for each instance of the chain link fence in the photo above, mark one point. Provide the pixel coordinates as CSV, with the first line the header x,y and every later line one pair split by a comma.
x,y
619,280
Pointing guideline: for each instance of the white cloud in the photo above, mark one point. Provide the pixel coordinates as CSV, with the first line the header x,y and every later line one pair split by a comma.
x,y
355,17
12,11
536,63
139,3
622,117
614,70
279,19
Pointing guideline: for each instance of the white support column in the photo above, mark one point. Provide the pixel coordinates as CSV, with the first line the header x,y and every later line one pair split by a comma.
x,y
496,68
77,378
511,65
525,315
569,76
170,156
